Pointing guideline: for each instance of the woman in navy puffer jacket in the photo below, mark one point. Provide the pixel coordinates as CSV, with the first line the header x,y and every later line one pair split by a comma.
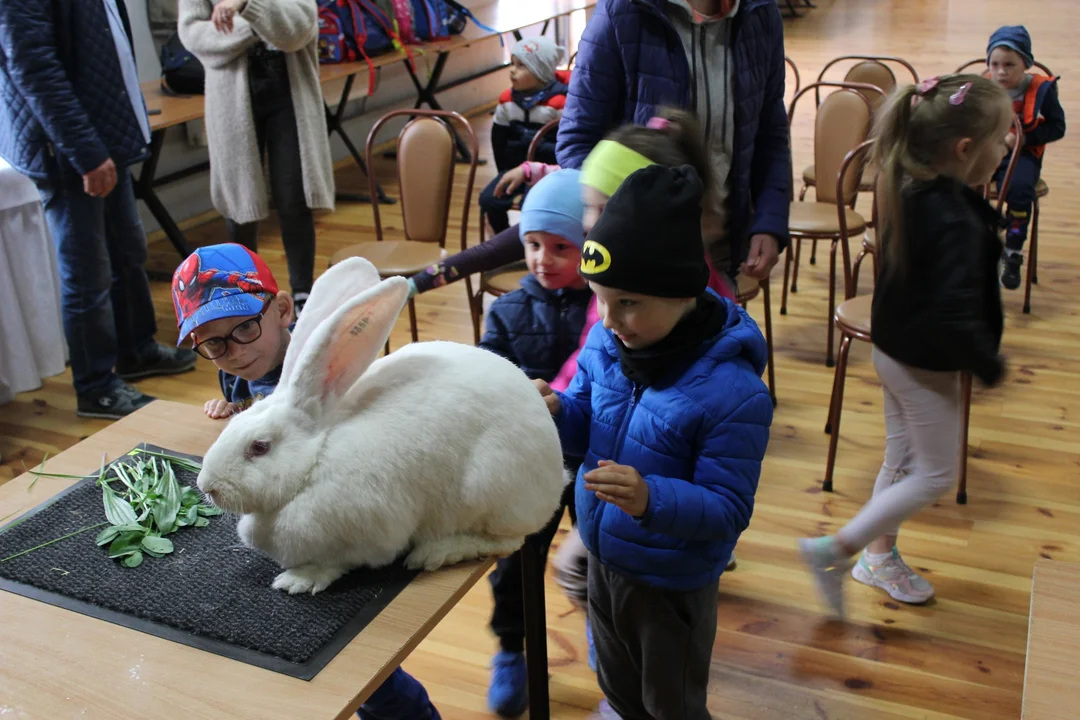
x,y
723,59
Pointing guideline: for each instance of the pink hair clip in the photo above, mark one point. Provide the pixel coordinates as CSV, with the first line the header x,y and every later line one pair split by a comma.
x,y
658,123
927,85
957,98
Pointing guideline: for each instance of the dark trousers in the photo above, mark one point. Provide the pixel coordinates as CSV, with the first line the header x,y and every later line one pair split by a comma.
x,y
279,146
653,646
508,615
400,697
497,208
105,295
1020,197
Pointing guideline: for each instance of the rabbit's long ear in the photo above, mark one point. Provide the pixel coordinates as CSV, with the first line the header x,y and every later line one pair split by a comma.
x,y
333,289
342,347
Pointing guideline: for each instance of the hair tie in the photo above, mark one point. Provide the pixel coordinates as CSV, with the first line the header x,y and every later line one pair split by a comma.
x,y
957,98
658,123
927,85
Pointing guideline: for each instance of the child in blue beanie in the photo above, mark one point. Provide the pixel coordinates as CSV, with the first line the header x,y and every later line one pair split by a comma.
x,y
1035,101
537,327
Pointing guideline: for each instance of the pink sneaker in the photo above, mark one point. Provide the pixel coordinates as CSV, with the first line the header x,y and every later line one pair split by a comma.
x,y
894,577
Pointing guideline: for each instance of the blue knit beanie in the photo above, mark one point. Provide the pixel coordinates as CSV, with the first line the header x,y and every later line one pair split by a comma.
x,y
554,205
1014,37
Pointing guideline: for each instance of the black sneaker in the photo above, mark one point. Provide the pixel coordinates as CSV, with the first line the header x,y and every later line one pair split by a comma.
x,y
159,360
1010,271
112,403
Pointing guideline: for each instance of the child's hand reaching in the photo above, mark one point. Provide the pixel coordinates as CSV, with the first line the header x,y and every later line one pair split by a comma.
x,y
510,181
552,400
620,485
218,409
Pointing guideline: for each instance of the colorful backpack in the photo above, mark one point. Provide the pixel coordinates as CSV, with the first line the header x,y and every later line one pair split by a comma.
x,y
354,29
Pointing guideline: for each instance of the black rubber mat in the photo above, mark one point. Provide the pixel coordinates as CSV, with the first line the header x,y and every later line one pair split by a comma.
x,y
210,593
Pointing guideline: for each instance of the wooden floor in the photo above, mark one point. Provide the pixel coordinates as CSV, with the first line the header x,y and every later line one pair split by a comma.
x,y
776,657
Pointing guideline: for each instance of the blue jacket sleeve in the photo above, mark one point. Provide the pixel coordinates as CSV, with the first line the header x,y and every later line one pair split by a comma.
x,y
718,503
1052,127
770,171
575,411
597,87
496,334
34,68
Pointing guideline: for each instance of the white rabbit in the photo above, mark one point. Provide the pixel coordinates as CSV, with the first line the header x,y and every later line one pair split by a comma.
x,y
440,447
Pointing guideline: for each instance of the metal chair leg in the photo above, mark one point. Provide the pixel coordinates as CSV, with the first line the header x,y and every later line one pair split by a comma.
x,y
787,277
837,409
855,271
536,659
813,252
412,320
795,269
1033,257
965,423
767,303
832,305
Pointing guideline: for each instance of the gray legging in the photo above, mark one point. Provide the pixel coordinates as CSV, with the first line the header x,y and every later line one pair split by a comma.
x,y
923,411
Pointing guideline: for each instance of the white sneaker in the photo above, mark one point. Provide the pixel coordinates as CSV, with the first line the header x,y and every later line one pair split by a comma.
x,y
894,577
828,573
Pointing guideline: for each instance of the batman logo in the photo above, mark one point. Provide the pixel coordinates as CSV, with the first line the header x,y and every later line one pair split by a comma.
x,y
595,258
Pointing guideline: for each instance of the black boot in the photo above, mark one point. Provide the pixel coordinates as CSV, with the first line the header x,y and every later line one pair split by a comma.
x,y
1010,270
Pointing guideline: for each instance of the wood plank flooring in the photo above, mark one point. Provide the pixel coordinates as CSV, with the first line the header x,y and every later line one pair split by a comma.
x,y
776,657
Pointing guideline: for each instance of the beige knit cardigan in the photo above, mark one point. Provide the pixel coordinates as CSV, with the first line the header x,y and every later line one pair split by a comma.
x,y
238,186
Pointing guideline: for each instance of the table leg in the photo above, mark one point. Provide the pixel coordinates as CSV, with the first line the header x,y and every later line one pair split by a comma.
x,y
532,581
335,124
144,190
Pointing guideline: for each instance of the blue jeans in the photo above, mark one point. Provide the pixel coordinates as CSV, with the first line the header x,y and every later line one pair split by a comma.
x,y
497,208
105,294
400,697
1020,196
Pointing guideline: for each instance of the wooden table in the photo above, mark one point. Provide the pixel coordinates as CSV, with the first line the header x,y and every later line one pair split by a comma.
x,y
58,664
1052,675
501,16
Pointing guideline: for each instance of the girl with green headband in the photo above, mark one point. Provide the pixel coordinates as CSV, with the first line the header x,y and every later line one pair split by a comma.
x,y
671,139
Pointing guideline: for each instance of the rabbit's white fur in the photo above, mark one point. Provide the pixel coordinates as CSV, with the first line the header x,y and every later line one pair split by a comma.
x,y
441,447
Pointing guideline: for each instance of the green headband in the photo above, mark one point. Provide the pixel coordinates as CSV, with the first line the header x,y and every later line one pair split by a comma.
x,y
609,164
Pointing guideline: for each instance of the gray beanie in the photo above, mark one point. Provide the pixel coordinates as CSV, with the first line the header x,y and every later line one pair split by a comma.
x,y
540,55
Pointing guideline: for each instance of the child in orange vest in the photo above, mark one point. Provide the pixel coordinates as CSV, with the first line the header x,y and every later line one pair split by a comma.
x,y
1035,101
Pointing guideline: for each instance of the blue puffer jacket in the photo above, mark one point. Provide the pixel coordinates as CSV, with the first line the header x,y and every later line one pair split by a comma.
x,y
63,107
697,439
631,62
536,329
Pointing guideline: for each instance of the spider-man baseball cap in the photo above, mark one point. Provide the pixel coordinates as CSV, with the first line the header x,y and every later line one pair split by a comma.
x,y
220,281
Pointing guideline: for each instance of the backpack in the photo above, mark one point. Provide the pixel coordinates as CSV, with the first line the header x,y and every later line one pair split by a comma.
x,y
421,21
354,29
181,72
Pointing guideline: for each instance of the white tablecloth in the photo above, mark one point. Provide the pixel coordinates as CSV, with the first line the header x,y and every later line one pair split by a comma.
x,y
32,343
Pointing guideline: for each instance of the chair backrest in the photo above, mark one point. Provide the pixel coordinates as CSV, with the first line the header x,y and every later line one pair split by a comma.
x,y
795,72
848,175
872,69
876,73
843,122
534,145
426,151
982,61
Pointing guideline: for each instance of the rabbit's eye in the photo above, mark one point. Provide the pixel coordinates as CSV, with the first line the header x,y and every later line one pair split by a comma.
x,y
257,448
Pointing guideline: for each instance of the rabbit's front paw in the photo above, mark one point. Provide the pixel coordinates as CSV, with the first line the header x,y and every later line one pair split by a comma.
x,y
306,578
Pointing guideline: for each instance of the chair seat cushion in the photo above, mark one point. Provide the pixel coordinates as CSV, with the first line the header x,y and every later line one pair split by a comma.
x,y
393,257
503,280
854,315
809,177
814,218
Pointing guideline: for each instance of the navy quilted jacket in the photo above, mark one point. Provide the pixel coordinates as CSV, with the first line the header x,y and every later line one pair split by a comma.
x,y
631,62
697,438
63,107
537,329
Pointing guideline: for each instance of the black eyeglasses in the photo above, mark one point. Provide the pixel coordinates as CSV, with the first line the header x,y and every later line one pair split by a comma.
x,y
245,333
